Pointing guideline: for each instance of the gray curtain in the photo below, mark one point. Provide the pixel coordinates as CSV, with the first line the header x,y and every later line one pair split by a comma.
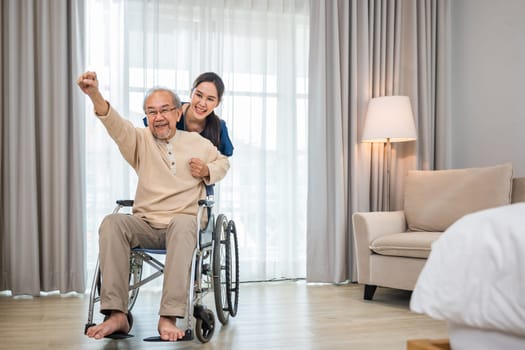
x,y
41,216
362,49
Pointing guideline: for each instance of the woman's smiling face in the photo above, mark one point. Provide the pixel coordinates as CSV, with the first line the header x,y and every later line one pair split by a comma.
x,y
204,99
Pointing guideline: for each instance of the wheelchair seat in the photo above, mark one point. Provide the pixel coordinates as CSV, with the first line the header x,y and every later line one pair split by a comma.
x,y
215,267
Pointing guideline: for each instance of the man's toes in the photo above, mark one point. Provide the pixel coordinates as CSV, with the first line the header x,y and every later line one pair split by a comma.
x,y
98,335
92,331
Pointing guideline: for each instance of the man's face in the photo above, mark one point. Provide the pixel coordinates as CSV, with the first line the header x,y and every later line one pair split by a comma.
x,y
162,115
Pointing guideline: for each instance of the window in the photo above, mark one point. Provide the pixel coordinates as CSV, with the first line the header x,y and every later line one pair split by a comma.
x,y
260,49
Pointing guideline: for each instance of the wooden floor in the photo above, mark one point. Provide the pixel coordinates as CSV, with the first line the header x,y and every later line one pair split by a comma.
x,y
274,315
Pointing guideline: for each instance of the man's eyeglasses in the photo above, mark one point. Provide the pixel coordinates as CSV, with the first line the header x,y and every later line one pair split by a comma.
x,y
153,113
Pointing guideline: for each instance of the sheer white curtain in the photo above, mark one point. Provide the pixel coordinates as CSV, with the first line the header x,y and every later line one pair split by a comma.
x,y
260,48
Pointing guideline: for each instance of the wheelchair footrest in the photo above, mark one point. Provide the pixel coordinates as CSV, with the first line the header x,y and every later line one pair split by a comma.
x,y
115,336
118,336
188,335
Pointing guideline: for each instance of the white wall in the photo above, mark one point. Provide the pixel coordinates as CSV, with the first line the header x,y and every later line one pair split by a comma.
x,y
488,83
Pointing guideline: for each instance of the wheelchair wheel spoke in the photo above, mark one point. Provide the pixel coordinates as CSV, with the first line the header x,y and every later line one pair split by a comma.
x,y
135,275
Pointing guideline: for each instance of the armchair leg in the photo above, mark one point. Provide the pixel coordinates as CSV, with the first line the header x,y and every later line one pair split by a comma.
x,y
369,291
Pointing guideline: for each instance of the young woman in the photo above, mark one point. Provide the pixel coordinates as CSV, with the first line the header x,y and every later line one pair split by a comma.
x,y
199,115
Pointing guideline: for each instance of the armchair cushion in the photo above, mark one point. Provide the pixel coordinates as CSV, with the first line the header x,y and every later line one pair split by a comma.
x,y
406,244
435,199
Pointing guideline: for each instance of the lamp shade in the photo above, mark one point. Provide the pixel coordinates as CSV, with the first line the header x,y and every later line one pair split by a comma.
x,y
389,117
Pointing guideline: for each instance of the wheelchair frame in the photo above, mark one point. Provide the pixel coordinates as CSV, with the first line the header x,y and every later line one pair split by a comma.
x,y
215,266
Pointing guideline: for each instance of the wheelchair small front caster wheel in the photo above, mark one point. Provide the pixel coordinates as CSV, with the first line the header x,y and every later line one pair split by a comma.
x,y
205,326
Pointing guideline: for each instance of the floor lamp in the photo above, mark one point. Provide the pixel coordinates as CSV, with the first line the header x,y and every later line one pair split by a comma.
x,y
389,119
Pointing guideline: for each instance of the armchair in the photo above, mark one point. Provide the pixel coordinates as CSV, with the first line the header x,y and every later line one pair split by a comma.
x,y
392,247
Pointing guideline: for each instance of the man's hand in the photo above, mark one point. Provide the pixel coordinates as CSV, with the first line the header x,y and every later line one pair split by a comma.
x,y
198,168
88,83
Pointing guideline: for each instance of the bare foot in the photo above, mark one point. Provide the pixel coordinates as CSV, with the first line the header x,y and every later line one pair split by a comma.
x,y
168,330
117,322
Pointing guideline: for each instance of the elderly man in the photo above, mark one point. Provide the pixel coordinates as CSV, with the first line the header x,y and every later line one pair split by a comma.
x,y
172,167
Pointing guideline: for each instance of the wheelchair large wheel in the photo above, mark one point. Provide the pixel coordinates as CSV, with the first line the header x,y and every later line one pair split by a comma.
x,y
232,278
135,275
221,268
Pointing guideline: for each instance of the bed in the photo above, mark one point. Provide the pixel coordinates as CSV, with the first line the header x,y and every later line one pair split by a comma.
x,y
474,279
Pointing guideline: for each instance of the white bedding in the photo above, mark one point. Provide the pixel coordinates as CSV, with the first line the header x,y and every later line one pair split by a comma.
x,y
475,274
468,338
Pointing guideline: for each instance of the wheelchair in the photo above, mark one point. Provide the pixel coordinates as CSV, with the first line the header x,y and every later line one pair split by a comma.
x,y
215,267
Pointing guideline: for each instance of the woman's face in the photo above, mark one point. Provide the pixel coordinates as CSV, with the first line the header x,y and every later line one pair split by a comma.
x,y
204,99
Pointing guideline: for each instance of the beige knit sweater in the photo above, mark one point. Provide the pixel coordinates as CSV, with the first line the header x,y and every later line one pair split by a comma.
x,y
160,192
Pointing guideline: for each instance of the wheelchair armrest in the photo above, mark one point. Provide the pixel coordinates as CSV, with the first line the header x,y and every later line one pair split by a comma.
x,y
129,202
209,201
206,202
125,202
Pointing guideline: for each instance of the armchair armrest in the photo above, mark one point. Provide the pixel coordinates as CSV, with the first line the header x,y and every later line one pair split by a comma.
x,y
367,227
378,223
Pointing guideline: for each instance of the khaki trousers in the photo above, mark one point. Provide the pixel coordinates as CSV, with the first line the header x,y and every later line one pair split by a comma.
x,y
119,233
